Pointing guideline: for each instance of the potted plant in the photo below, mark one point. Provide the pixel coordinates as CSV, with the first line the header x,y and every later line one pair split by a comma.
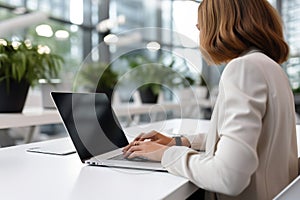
x,y
97,77
22,64
152,74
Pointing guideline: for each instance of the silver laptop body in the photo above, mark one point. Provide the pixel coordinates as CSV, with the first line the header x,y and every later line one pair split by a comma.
x,y
95,131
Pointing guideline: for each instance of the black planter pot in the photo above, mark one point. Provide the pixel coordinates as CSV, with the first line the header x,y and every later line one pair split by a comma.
x,y
147,96
12,99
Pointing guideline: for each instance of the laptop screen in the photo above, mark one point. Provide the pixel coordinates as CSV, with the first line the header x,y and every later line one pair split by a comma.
x,y
90,122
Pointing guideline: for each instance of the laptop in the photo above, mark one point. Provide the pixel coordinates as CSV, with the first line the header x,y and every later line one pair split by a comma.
x,y
95,130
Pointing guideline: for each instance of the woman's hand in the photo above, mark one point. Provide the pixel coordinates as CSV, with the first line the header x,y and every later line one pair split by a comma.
x,y
155,137
152,136
145,149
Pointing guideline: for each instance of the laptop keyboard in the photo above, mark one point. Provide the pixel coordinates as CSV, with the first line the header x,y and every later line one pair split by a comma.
x,y
121,157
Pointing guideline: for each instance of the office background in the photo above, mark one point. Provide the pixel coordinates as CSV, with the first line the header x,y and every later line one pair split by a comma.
x,y
73,28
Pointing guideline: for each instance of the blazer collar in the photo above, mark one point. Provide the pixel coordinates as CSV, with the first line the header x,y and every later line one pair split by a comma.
x,y
249,51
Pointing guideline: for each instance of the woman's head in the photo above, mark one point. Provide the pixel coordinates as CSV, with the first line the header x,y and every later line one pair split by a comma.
x,y
230,27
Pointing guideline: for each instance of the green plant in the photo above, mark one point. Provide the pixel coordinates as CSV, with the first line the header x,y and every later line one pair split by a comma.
x,y
24,61
97,76
152,73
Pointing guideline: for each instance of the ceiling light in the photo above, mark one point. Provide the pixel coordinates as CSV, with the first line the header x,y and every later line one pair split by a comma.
x,y
44,30
153,46
111,39
62,34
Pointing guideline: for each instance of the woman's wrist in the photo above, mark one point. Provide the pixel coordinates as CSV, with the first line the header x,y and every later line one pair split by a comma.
x,y
183,141
172,142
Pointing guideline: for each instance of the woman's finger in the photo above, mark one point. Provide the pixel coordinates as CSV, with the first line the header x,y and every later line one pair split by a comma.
x,y
136,154
133,143
139,136
132,149
151,135
127,147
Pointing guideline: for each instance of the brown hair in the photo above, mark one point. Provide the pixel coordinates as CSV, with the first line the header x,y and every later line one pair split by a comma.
x,y
230,27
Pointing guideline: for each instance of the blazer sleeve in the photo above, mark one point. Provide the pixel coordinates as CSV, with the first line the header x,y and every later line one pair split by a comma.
x,y
242,104
197,141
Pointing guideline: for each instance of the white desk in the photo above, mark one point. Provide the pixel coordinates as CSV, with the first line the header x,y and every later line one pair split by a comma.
x,y
29,117
32,117
34,176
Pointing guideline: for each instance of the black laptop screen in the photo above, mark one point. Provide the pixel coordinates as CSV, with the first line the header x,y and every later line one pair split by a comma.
x,y
90,122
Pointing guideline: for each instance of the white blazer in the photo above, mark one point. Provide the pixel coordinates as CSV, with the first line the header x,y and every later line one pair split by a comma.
x,y
251,149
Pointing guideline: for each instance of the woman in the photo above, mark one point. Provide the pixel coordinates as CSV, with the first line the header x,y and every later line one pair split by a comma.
x,y
251,150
